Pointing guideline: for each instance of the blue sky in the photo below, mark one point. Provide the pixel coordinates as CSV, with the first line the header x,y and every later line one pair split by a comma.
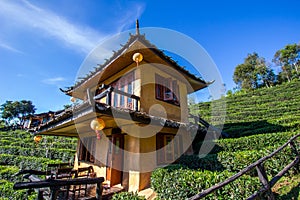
x,y
43,43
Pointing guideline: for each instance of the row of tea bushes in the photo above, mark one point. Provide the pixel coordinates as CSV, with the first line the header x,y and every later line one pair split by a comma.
x,y
183,183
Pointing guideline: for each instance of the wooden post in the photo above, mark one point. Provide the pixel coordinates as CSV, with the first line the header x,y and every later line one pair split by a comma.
x,y
108,96
264,180
99,190
40,195
294,149
54,192
136,105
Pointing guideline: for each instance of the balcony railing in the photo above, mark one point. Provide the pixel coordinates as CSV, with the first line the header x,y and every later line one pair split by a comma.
x,y
107,92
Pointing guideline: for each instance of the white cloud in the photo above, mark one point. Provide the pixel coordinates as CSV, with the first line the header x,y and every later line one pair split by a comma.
x,y
130,16
53,81
10,48
25,14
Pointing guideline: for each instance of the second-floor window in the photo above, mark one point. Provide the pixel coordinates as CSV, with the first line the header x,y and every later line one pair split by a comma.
x,y
166,89
125,84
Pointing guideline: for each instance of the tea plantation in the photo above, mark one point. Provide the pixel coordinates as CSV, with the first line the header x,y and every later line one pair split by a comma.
x,y
19,151
257,122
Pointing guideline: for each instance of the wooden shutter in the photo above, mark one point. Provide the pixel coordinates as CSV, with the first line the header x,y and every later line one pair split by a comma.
x,y
159,147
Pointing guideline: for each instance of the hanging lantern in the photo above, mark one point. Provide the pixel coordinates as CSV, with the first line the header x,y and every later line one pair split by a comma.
x,y
37,138
97,125
137,57
73,99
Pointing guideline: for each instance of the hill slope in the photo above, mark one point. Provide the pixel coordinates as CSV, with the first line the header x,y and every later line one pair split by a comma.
x,y
258,122
265,110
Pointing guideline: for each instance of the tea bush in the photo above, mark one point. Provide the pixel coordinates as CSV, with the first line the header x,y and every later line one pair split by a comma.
x,y
127,196
184,183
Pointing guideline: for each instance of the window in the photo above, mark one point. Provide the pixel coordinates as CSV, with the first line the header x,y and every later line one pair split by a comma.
x,y
87,149
166,89
124,84
169,148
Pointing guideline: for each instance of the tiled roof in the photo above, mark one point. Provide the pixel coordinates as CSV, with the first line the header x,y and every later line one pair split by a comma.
x,y
116,54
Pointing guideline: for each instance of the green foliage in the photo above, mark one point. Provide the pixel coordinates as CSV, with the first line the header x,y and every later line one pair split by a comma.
x,y
253,73
259,121
7,172
237,160
16,109
127,196
19,151
288,58
265,110
7,192
287,188
254,142
26,162
51,153
184,183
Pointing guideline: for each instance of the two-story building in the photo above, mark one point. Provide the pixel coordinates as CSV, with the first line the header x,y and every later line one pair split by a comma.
x,y
133,116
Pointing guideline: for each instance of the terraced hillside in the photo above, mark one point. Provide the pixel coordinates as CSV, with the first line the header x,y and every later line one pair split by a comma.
x,y
258,122
19,151
265,110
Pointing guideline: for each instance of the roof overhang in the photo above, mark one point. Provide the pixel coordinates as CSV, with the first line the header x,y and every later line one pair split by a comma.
x,y
73,124
123,58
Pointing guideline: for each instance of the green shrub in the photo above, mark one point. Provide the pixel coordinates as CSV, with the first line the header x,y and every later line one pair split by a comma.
x,y
26,162
127,196
238,160
8,193
184,183
7,172
51,153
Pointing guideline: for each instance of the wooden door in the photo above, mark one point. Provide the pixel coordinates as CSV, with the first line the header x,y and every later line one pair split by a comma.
x,y
115,159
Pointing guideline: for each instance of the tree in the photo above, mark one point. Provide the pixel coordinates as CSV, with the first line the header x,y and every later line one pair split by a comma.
x,y
253,73
17,109
288,59
67,106
265,75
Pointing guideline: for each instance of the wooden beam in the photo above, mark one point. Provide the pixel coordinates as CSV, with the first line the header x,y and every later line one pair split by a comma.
x,y
56,182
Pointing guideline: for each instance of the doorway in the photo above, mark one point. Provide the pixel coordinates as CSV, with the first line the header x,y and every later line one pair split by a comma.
x,y
115,159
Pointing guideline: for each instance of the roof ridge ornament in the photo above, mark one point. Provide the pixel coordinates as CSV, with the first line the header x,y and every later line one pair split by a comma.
x,y
137,27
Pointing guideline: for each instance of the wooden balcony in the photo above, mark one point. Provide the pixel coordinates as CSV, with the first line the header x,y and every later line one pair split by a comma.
x,y
107,92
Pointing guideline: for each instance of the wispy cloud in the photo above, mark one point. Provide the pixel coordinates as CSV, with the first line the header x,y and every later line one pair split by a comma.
x,y
53,81
29,17
9,48
130,16
25,14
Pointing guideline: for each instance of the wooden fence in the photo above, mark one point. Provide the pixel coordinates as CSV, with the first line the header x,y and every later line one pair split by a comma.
x,y
259,165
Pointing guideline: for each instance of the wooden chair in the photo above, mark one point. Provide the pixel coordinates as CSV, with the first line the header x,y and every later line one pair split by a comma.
x,y
84,172
65,173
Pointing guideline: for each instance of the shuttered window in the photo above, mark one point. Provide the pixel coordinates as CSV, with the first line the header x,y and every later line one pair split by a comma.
x,y
87,149
166,90
168,148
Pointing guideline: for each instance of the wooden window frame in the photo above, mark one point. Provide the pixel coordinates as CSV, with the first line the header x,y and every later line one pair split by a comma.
x,y
167,90
88,143
123,84
168,154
